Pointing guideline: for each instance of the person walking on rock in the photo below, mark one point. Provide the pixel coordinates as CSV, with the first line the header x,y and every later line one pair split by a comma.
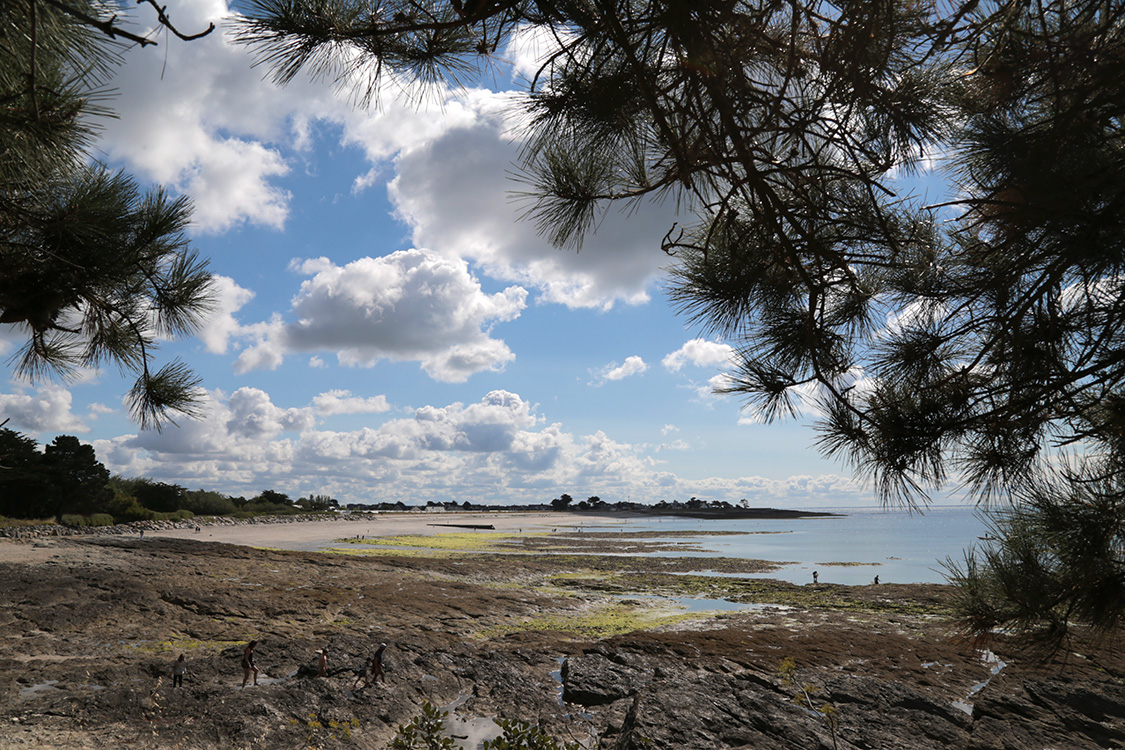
x,y
377,664
322,663
373,671
248,665
179,669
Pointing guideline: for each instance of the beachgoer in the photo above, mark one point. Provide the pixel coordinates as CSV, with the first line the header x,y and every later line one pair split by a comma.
x,y
876,580
814,576
179,669
362,675
248,665
372,670
322,663
377,664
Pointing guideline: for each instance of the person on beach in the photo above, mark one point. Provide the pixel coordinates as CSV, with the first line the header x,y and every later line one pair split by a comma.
x,y
179,669
876,580
814,577
322,663
248,665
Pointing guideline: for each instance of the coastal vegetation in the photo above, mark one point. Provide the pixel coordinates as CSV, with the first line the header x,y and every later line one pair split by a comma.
x,y
65,482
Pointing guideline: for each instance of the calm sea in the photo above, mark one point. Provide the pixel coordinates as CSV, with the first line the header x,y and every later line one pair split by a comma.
x,y
897,546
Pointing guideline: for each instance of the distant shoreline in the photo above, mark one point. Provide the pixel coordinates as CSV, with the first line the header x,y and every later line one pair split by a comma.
x,y
298,531
719,513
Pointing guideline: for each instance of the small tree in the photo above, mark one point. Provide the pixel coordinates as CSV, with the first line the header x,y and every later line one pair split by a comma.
x,y
426,731
159,496
208,503
274,498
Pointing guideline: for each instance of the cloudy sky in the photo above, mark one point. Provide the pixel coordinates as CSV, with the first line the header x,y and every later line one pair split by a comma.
x,y
387,329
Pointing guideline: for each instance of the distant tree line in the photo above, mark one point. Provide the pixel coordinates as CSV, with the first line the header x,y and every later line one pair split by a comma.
x,y
66,482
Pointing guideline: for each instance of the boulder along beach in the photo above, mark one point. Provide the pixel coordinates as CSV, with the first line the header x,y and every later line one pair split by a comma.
x,y
576,630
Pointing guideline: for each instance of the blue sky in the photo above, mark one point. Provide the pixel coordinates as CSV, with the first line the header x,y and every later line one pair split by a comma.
x,y
388,330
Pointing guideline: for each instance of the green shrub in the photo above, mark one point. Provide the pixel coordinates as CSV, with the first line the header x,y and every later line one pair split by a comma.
x,y
79,522
8,522
424,732
204,503
520,735
125,509
179,515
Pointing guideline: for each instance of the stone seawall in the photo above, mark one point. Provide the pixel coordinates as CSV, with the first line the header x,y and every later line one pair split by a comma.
x,y
136,527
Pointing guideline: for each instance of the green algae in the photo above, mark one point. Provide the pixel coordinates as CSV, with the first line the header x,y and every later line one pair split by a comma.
x,y
757,591
617,618
181,645
456,541
394,552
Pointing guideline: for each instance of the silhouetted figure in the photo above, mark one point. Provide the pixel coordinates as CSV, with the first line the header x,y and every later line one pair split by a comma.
x,y
814,577
373,670
179,669
377,664
248,665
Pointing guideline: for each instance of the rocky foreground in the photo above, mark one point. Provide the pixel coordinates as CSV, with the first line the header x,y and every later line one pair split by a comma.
x,y
89,627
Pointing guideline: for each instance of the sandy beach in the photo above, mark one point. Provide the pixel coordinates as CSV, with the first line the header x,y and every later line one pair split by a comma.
x,y
311,536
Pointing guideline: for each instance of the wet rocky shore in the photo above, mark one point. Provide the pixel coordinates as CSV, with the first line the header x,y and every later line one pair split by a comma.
x,y
90,625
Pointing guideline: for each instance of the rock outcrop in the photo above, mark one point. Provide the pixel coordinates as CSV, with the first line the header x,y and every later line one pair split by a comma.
x,y
90,627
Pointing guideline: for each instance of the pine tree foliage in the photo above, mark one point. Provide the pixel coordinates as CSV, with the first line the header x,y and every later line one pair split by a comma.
x,y
92,269
1052,562
976,340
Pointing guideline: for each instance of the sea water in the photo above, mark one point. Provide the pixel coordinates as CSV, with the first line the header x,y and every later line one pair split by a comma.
x,y
897,546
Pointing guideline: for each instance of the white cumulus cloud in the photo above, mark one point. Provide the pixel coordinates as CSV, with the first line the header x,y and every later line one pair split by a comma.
x,y
411,305
632,365
221,325
46,408
343,402
456,192
700,353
